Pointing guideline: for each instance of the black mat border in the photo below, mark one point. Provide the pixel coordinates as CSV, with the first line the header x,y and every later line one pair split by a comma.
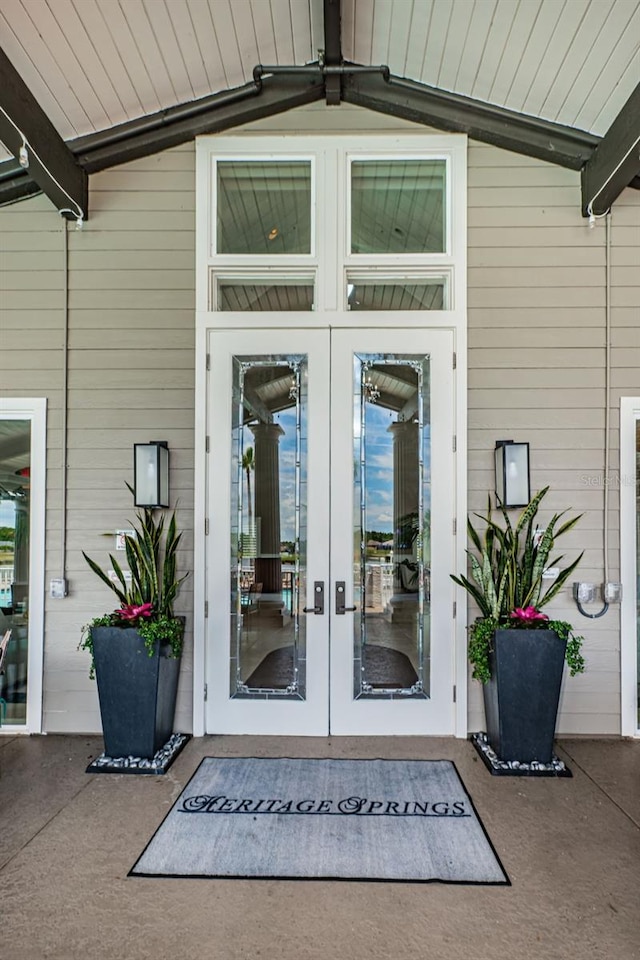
x,y
210,876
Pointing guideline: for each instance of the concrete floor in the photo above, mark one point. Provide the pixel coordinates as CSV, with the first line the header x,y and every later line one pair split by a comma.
x,y
67,840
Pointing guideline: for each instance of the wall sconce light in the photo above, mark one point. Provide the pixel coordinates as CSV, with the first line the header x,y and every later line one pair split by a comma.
x,y
151,474
512,473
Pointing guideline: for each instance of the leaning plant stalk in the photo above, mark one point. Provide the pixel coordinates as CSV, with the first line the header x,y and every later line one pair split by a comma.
x,y
147,595
507,576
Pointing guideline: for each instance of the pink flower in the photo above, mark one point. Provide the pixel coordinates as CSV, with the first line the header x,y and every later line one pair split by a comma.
x,y
132,612
528,614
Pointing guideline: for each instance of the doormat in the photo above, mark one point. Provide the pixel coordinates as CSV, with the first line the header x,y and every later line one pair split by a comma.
x,y
158,764
400,820
514,768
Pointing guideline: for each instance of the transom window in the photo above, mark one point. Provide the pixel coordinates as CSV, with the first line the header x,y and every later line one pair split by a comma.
x,y
315,224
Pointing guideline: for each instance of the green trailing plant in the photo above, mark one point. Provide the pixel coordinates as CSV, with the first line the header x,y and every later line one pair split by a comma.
x,y
148,594
507,583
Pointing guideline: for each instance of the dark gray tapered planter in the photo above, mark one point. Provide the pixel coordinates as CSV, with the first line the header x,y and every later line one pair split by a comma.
x,y
521,699
137,692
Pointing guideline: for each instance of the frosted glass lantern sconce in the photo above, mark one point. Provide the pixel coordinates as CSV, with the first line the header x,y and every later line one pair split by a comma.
x,y
151,474
512,473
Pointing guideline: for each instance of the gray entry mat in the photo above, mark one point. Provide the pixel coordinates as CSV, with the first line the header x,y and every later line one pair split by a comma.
x,y
406,820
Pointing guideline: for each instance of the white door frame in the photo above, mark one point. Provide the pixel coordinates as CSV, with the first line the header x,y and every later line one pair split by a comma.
x,y
331,264
203,466
35,410
629,416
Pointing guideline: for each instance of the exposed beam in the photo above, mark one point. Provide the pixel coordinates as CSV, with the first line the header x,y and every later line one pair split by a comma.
x,y
151,134
289,87
332,50
513,131
615,162
15,183
51,164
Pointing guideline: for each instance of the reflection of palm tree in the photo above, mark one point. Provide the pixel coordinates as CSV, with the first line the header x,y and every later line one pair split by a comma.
x,y
248,464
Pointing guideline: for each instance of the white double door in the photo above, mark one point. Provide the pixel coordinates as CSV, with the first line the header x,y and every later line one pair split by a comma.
x,y
330,496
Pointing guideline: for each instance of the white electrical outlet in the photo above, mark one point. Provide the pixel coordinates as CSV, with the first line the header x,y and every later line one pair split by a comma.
x,y
58,589
584,592
612,592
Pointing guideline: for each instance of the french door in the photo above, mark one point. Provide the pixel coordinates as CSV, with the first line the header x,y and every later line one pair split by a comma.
x,y
330,497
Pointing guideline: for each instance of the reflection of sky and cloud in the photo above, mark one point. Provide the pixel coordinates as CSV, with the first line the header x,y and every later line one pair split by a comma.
x,y
7,513
378,468
287,420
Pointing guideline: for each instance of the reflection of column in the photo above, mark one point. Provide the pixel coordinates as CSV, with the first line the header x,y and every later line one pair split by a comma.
x,y
405,516
21,550
267,506
405,485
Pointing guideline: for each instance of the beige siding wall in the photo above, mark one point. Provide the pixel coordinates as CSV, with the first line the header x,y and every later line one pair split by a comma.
x,y
536,370
537,334
131,379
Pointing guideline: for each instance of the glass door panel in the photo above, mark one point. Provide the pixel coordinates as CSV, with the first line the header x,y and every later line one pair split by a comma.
x,y
268,526
637,459
392,460
15,509
268,494
392,527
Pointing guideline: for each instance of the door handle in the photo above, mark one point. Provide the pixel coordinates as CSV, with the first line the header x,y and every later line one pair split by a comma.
x,y
318,596
340,607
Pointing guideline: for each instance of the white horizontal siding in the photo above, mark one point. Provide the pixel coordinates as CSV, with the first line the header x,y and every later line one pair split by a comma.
x,y
537,331
131,379
536,369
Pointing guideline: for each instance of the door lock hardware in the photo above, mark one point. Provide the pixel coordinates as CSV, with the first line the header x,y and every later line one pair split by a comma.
x,y
340,594
318,596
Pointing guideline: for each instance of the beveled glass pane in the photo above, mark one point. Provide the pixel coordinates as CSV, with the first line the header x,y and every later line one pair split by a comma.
x,y
398,206
282,297
268,534
15,501
263,207
392,525
638,554
388,295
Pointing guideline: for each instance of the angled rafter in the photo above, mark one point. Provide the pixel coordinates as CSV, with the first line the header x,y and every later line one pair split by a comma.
x,y
51,164
372,87
616,160
213,114
552,142
264,97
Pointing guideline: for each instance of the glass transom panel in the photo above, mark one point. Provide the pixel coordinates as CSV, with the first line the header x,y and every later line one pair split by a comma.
x,y
398,206
374,294
264,207
285,297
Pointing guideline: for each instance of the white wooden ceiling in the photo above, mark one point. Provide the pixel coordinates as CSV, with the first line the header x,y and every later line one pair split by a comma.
x,y
92,64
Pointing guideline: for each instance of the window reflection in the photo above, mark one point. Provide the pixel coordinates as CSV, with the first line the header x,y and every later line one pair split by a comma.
x,y
268,539
264,207
398,206
392,562
15,444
